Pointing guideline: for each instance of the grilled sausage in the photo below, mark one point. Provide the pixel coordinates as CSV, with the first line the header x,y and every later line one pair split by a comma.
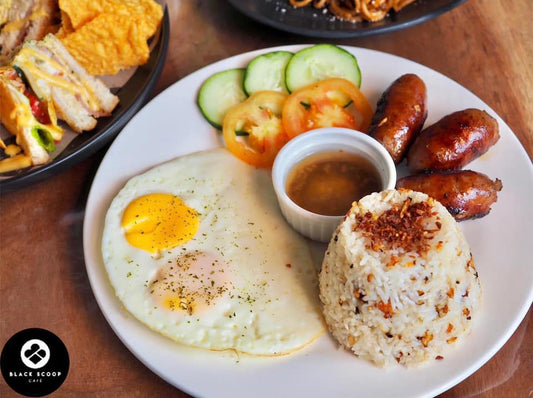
x,y
466,194
453,142
400,114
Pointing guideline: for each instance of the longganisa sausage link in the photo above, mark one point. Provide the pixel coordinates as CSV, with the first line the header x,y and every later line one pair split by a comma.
x,y
400,114
453,141
466,194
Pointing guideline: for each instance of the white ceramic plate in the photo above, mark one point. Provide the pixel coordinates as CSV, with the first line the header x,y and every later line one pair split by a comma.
x,y
171,125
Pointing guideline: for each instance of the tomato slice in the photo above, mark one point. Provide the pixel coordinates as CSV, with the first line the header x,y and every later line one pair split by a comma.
x,y
333,102
38,108
253,130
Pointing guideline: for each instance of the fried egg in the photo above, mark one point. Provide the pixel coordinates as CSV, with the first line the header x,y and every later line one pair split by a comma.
x,y
198,250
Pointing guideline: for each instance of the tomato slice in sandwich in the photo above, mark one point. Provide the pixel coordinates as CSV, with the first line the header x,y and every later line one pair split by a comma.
x,y
333,102
39,109
253,130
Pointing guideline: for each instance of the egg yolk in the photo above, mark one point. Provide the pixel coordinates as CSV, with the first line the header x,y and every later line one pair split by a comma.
x,y
159,221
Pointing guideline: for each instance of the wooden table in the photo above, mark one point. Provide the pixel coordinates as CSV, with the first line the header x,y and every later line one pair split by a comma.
x,y
484,45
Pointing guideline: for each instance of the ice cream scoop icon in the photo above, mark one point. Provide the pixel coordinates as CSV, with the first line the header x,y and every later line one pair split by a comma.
x,y
35,354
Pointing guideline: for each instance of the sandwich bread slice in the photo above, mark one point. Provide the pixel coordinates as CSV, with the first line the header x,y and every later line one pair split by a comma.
x,y
55,76
22,20
31,120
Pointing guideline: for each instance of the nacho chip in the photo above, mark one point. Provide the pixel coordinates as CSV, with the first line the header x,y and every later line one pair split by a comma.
x,y
66,26
148,11
110,35
108,44
82,11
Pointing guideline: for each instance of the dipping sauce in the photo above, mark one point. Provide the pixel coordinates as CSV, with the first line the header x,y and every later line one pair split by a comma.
x,y
328,182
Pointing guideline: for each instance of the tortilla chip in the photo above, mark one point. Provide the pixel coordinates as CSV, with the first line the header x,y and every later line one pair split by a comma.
x,y
110,35
82,11
147,11
108,44
66,26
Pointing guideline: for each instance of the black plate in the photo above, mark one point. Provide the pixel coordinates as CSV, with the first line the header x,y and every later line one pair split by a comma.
x,y
133,96
308,21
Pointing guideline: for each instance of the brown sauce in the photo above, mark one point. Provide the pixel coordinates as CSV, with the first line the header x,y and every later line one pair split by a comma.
x,y
328,182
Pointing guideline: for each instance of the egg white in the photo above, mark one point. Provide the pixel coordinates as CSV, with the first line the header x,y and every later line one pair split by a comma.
x,y
253,279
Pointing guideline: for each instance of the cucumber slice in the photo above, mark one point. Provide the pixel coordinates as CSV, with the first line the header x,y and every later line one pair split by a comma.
x,y
320,62
267,72
219,93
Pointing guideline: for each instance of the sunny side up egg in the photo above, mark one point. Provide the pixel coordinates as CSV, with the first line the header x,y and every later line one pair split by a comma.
x,y
198,250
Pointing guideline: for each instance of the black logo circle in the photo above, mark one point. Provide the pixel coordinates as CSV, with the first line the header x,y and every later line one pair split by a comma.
x,y
34,362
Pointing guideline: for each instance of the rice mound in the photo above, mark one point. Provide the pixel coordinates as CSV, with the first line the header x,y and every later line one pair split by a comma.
x,y
398,282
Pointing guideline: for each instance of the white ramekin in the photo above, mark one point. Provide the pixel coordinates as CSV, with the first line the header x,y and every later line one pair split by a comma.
x,y
316,226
